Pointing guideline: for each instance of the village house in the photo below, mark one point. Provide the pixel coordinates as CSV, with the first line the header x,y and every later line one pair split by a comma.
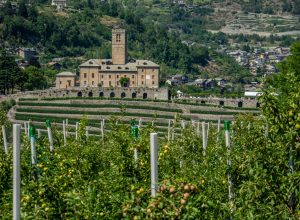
x,y
65,80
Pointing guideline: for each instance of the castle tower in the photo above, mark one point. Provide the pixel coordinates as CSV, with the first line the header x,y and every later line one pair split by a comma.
x,y
119,47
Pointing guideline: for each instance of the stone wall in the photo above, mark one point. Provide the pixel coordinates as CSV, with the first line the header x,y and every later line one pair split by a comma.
x,y
138,93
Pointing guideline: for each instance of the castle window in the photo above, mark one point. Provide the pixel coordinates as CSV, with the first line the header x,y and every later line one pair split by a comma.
x,y
109,83
84,75
125,76
119,67
152,82
92,82
142,82
142,70
59,82
109,76
117,76
93,75
84,83
117,82
152,76
142,76
132,82
132,76
153,70
102,76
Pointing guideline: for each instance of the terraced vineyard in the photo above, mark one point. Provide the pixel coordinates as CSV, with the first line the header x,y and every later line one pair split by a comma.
x,y
122,111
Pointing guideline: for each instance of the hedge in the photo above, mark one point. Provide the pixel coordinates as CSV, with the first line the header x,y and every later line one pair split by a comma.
x,y
99,106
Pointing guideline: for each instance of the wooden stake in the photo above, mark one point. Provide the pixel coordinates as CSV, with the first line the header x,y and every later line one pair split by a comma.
x,y
64,132
4,140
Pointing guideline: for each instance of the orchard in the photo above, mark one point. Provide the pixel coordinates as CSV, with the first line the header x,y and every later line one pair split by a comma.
x,y
249,170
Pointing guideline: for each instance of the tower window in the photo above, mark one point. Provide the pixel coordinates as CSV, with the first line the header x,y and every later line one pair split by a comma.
x,y
93,75
152,76
109,76
84,75
132,76
142,76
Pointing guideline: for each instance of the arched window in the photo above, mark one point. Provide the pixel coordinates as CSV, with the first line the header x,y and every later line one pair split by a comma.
x,y
79,94
101,94
144,95
112,95
257,105
90,94
240,104
123,95
221,103
133,95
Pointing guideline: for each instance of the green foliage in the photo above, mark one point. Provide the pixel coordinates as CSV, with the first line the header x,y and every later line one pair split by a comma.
x,y
10,74
124,81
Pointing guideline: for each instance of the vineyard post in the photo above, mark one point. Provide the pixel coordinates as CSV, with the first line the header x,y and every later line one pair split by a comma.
x,y
39,133
48,124
102,129
87,132
266,130
4,140
183,124
32,144
140,122
103,121
169,130
16,172
218,131
25,128
198,129
204,139
76,131
152,123
67,122
28,126
173,133
207,131
227,139
154,164
64,132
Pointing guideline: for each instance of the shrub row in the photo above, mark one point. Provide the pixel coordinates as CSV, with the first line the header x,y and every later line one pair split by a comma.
x,y
218,112
78,112
99,106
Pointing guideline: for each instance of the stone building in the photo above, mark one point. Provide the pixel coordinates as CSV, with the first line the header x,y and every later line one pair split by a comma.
x,y
65,80
26,53
118,71
60,4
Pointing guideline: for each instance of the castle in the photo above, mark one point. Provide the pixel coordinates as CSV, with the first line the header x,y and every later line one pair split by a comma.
x,y
118,72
